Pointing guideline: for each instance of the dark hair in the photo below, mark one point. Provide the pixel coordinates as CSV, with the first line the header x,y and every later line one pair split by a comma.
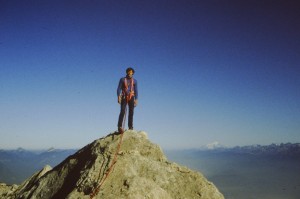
x,y
129,69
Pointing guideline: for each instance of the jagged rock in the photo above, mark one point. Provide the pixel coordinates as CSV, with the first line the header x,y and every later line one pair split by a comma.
x,y
29,183
6,190
141,171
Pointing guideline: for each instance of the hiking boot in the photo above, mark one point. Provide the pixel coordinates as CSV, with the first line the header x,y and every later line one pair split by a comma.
x,y
120,130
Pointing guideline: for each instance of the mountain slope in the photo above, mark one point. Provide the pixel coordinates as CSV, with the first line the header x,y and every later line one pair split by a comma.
x,y
141,171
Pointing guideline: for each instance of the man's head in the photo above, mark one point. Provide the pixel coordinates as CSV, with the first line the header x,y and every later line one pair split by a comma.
x,y
130,72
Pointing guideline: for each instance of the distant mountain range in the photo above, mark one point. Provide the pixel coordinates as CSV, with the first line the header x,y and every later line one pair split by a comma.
x,y
284,149
17,165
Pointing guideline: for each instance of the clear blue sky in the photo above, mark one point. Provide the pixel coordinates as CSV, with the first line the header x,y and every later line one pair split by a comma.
x,y
219,70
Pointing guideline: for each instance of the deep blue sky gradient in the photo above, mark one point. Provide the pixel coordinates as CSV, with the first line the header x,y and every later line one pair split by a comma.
x,y
220,70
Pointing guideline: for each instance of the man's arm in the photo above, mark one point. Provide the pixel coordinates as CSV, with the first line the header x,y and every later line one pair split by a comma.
x,y
136,94
119,90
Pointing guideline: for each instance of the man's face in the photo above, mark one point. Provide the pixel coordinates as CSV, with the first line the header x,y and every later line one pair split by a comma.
x,y
130,74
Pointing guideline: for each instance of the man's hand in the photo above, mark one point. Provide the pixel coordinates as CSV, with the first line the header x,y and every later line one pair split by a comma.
x,y
119,99
135,102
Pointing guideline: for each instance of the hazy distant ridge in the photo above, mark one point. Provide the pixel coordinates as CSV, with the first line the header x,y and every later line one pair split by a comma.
x,y
286,149
18,164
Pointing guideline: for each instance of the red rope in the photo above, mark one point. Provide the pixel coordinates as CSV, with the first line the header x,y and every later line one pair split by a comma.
x,y
96,191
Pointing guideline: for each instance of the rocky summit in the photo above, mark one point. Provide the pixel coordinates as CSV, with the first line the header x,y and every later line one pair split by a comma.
x,y
141,171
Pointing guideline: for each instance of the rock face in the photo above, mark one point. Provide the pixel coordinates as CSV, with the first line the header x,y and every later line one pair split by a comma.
x,y
141,171
6,190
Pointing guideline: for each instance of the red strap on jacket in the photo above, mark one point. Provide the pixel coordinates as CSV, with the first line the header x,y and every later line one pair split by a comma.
x,y
125,90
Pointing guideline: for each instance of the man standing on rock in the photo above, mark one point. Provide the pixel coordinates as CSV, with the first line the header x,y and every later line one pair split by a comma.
x,y
127,94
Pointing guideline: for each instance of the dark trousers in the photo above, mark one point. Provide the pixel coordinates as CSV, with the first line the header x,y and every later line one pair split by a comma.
x,y
130,114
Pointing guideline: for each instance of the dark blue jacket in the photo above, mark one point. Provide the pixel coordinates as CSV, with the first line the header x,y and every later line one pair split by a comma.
x,y
121,86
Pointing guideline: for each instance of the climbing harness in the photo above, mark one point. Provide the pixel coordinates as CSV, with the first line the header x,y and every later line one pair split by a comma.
x,y
125,90
96,191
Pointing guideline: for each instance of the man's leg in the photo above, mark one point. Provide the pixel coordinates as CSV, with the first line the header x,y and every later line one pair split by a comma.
x,y
122,112
130,115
